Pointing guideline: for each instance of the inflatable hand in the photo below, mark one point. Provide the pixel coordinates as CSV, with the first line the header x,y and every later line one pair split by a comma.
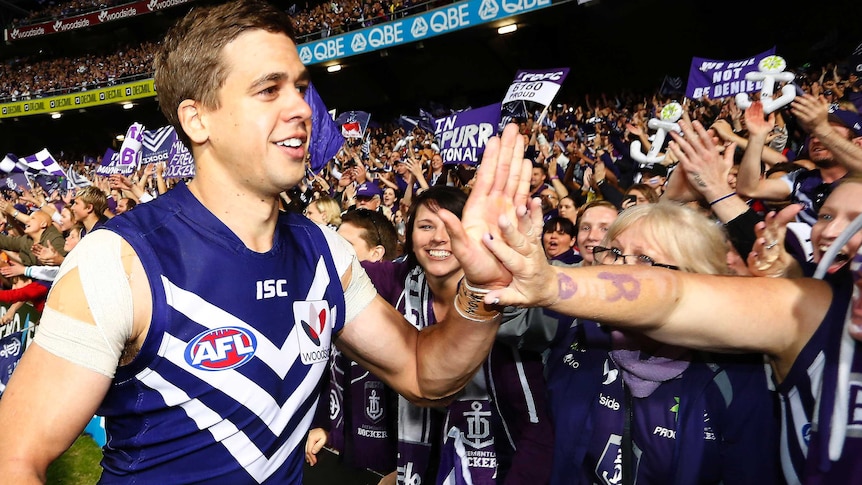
x,y
670,114
770,70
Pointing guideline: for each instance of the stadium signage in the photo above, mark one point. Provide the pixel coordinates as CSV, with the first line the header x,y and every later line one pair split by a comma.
x,y
461,15
90,19
84,99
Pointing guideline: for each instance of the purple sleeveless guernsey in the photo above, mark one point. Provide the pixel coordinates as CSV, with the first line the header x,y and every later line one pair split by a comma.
x,y
227,381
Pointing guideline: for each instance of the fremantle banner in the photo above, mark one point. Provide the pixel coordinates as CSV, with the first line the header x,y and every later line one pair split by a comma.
x,y
462,136
89,19
719,79
180,164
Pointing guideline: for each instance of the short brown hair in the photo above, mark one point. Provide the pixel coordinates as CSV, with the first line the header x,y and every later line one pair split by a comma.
x,y
377,230
189,63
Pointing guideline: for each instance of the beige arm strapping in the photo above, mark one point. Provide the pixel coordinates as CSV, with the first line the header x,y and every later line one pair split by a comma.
x,y
96,345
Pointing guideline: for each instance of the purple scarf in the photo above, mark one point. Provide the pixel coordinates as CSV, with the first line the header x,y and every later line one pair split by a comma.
x,y
643,372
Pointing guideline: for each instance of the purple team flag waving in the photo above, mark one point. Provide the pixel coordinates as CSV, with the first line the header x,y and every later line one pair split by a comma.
x,y
326,138
12,164
43,163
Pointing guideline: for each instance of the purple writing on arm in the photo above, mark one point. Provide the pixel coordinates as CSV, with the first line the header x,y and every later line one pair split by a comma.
x,y
566,286
627,287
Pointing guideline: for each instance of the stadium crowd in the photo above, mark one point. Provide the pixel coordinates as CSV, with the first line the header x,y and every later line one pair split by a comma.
x,y
44,74
545,406
374,189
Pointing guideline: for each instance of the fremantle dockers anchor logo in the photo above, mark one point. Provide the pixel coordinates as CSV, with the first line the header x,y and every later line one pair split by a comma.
x,y
374,401
478,427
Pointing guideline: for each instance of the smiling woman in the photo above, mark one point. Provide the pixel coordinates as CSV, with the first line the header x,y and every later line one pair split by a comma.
x,y
423,287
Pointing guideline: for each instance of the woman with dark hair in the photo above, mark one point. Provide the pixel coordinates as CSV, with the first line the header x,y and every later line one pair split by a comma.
x,y
558,239
497,428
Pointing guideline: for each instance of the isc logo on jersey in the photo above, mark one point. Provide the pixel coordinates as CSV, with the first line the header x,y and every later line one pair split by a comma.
x,y
313,320
221,349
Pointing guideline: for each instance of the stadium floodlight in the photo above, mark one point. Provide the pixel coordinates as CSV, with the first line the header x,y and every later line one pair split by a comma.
x,y
333,68
507,29
128,105
56,116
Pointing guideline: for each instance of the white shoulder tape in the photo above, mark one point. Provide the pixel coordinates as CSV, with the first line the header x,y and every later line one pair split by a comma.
x,y
98,344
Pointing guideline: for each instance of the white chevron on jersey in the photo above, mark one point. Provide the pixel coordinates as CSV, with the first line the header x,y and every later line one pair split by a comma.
x,y
320,282
241,389
279,359
236,442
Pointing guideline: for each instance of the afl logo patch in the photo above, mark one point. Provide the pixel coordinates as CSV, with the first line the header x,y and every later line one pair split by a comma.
x,y
221,349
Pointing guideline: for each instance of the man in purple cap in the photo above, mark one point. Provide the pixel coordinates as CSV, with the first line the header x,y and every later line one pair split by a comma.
x,y
834,146
368,196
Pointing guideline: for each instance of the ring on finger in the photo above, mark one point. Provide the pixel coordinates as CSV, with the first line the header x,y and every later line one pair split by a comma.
x,y
771,245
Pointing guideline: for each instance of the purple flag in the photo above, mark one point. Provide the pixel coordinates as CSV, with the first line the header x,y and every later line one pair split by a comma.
x,y
326,138
462,136
716,79
130,151
13,164
50,183
43,163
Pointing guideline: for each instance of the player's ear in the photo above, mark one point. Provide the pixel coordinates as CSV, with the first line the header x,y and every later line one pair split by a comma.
x,y
192,119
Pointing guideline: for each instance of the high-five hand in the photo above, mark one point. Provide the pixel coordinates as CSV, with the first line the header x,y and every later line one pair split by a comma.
x,y
502,185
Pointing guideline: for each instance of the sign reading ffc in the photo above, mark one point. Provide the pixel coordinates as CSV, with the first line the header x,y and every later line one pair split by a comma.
x,y
536,86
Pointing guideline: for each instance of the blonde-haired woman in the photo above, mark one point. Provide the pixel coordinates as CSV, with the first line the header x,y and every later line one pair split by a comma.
x,y
647,412
324,210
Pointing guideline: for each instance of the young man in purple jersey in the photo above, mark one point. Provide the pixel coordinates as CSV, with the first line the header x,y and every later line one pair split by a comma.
x,y
200,324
